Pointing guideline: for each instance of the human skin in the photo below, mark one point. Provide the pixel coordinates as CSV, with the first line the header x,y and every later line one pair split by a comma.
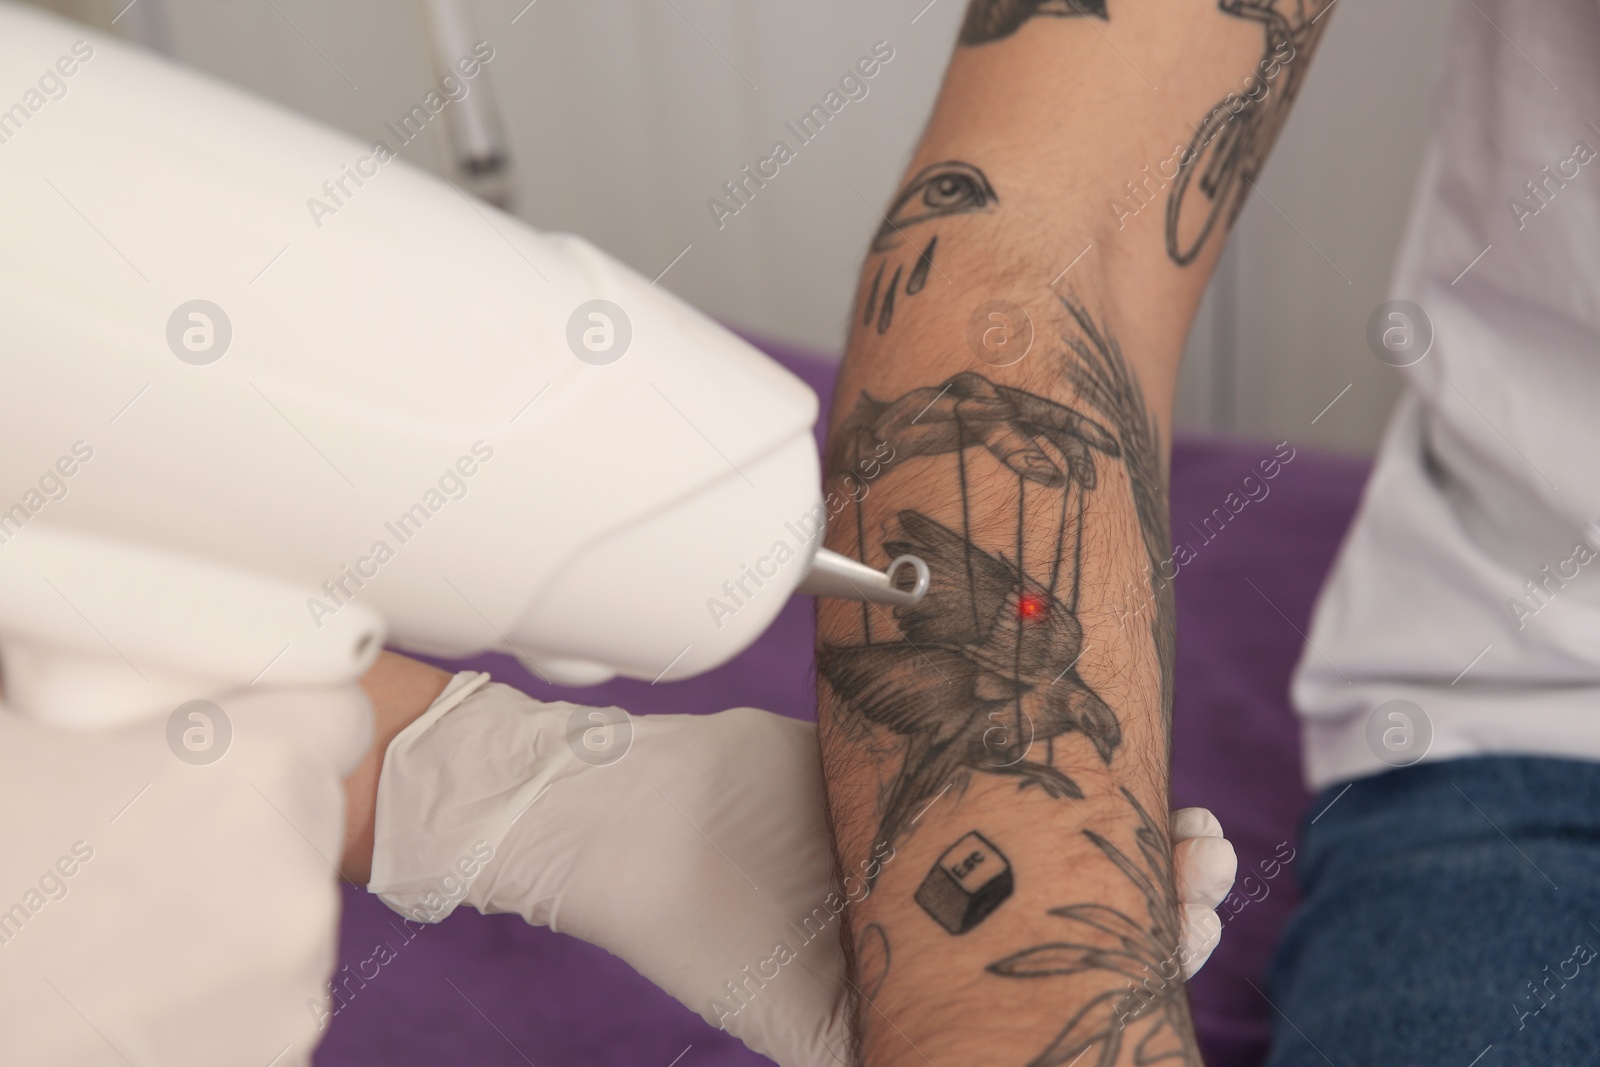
x,y
1015,344
400,689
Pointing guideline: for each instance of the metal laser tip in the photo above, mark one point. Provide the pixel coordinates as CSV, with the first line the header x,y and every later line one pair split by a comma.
x,y
839,576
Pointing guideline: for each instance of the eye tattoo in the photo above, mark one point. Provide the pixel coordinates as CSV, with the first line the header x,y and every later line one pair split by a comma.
x,y
937,190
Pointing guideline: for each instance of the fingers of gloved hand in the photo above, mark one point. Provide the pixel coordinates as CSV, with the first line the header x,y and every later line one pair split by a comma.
x,y
1204,864
694,847
1202,932
1205,869
1194,822
717,884
457,778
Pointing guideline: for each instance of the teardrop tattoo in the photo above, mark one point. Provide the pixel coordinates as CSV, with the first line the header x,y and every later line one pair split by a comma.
x,y
887,315
919,273
872,297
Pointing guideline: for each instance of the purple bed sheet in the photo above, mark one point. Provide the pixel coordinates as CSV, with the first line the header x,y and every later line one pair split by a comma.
x,y
492,991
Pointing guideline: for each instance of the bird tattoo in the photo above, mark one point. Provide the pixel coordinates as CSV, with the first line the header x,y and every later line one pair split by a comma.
x,y
983,671
981,675
972,683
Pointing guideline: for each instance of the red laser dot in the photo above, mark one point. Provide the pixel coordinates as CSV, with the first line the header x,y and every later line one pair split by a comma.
x,y
1030,606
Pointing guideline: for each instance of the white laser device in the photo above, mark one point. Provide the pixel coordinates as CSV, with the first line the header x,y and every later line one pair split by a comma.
x,y
274,397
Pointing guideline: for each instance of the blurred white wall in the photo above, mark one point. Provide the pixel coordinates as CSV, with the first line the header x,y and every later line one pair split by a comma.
x,y
626,116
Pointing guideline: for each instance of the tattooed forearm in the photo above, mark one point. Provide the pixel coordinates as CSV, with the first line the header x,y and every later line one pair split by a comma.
x,y
983,681
990,20
1011,732
1146,1009
935,192
1230,146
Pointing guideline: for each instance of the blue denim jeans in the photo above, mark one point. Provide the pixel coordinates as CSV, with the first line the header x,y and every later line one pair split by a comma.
x,y
1451,917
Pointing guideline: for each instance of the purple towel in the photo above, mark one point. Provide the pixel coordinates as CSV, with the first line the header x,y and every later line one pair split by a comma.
x,y
491,991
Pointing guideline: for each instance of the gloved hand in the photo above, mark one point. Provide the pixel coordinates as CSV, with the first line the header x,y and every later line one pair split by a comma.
x,y
177,911
1204,865
689,845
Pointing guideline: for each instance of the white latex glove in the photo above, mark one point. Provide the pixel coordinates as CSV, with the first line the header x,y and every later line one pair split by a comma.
x,y
155,911
701,848
1204,865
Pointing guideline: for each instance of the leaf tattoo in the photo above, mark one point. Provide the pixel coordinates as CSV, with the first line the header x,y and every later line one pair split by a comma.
x,y
1106,940
1096,368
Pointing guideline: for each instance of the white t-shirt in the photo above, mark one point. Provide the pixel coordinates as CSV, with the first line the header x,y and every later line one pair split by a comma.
x,y
1468,585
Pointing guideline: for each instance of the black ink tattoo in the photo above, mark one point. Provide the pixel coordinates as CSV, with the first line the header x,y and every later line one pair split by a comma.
x,y
936,191
1230,147
985,667
990,20
1149,1010
872,959
1097,369
966,884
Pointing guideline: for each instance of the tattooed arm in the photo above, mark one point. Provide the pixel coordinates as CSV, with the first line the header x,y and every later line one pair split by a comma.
x,y
997,756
